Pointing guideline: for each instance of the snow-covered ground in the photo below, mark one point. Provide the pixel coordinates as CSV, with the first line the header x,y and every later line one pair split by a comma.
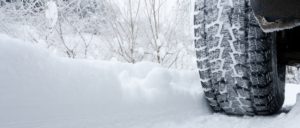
x,y
40,90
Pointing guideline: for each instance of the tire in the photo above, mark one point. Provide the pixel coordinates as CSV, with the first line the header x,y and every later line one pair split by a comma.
x,y
237,62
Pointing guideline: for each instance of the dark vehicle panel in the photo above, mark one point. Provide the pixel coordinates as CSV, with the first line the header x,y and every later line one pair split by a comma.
x,y
277,9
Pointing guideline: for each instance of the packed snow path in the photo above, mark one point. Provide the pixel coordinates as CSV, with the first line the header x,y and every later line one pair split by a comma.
x,y
38,90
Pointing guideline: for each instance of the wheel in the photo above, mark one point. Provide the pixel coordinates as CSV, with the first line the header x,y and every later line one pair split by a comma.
x,y
237,62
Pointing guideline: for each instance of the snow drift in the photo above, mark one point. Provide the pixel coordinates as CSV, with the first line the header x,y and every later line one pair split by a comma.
x,y
38,88
41,90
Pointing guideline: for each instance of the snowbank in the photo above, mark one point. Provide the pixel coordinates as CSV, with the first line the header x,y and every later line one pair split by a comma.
x,y
38,90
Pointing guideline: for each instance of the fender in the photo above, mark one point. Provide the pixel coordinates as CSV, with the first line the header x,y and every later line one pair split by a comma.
x,y
274,15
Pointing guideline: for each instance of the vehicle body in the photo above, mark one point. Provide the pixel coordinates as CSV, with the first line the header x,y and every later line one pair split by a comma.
x,y
275,15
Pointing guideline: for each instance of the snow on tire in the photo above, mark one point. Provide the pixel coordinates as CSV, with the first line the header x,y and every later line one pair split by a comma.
x,y
237,62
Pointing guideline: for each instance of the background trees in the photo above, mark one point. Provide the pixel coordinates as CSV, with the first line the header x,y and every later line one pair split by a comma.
x,y
125,30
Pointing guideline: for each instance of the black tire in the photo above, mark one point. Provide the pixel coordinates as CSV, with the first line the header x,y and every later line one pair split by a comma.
x,y
237,62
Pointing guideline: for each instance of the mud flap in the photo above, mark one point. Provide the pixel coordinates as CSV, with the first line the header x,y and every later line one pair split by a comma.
x,y
277,25
276,15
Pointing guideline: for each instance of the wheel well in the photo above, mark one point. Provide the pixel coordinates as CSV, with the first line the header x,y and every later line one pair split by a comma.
x,y
288,42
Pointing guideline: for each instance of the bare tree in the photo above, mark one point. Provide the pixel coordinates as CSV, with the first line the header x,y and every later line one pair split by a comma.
x,y
125,31
162,38
68,50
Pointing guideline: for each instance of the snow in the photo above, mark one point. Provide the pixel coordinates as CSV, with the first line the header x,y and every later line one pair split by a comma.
x,y
291,90
40,90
